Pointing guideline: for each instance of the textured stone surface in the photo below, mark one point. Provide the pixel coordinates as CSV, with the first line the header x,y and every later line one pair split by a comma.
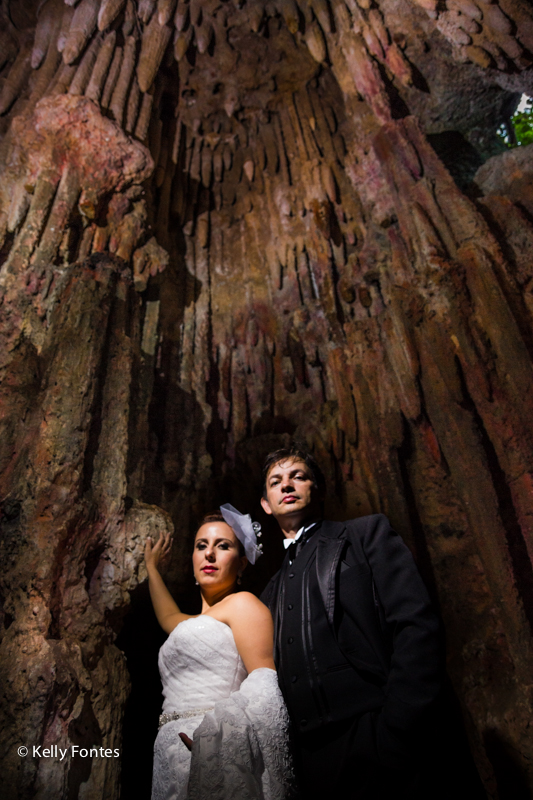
x,y
509,175
222,225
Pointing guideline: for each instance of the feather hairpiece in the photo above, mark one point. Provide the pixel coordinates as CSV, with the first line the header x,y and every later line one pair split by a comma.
x,y
245,530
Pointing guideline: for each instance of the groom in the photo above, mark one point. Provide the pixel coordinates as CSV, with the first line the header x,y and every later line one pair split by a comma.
x,y
356,641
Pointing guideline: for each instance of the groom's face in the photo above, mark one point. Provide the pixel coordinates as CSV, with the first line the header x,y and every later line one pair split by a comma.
x,y
290,490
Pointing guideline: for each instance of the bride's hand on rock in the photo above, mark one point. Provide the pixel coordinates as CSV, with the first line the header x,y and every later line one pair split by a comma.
x,y
156,553
187,741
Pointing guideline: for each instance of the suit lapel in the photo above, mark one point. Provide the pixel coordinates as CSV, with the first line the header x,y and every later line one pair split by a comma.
x,y
276,604
329,548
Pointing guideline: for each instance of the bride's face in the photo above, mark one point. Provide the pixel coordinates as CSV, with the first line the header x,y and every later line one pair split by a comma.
x,y
216,557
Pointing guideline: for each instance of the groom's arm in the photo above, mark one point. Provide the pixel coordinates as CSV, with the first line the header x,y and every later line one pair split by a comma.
x,y
266,595
416,661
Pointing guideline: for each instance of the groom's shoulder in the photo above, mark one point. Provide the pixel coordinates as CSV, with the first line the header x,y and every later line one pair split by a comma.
x,y
266,594
358,526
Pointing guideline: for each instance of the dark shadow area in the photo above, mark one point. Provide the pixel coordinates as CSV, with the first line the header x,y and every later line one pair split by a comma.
x,y
448,768
460,158
522,569
421,555
399,109
84,732
140,640
512,289
510,779
448,771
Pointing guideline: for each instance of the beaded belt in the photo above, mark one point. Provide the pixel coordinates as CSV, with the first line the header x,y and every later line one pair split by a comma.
x,y
194,712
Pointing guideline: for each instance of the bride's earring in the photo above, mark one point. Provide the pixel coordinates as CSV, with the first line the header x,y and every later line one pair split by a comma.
x,y
239,580
196,582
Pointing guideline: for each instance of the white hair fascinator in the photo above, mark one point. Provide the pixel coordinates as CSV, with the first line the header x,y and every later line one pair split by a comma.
x,y
245,530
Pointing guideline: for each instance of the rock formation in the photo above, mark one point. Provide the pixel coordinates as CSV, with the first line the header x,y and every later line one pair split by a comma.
x,y
224,223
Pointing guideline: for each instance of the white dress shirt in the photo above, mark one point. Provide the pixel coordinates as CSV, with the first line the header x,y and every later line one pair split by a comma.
x,y
304,529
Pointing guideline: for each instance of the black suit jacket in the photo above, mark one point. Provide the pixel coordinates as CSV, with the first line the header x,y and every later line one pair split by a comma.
x,y
379,609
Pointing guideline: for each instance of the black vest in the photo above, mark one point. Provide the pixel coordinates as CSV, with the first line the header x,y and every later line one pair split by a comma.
x,y
318,682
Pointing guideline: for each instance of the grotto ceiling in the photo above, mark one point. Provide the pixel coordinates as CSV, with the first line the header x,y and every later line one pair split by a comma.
x,y
223,224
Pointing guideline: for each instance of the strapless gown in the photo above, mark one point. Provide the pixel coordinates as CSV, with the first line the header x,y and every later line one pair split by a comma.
x,y
239,723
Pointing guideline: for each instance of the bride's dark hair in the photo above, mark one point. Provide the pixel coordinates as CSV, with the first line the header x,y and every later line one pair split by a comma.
x,y
216,516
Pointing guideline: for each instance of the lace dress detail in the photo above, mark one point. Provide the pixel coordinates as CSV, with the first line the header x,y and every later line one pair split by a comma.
x,y
240,749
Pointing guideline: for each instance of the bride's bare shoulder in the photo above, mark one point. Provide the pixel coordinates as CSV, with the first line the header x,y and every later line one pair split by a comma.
x,y
245,603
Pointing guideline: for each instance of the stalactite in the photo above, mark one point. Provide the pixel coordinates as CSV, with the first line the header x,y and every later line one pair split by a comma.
x,y
130,18
126,234
15,79
133,106
81,27
206,166
181,43
64,77
18,206
118,99
143,121
255,15
146,9
64,202
112,76
45,31
148,261
40,204
101,68
289,10
66,20
165,10
85,69
204,34
314,38
44,77
182,15
218,165
154,43
108,11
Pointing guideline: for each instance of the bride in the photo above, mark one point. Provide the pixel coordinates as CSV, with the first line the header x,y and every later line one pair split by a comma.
x,y
223,731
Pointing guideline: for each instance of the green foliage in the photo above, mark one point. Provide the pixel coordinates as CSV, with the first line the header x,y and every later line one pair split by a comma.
x,y
523,126
519,131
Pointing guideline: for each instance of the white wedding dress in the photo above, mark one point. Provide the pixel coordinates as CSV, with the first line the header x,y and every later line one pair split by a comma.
x,y
240,747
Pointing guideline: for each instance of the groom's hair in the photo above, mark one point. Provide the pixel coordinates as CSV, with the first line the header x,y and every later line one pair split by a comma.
x,y
294,452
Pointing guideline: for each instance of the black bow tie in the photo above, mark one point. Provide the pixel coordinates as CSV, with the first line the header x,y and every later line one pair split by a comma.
x,y
294,548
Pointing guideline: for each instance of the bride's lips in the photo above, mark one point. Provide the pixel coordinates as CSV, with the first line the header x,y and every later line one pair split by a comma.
x,y
209,570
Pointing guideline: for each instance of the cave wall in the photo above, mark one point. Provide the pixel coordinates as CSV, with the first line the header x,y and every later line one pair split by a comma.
x,y
225,224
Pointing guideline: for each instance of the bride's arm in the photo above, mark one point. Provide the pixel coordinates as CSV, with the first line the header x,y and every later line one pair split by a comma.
x,y
253,630
166,610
